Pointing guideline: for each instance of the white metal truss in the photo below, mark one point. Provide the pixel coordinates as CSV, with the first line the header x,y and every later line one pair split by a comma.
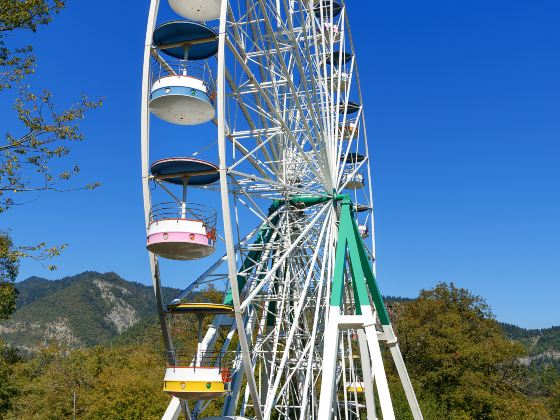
x,y
291,136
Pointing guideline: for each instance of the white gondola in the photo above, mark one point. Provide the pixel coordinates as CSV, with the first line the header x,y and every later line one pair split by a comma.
x,y
354,182
197,9
178,236
202,375
349,130
332,82
179,92
328,8
183,100
357,387
197,383
364,231
331,31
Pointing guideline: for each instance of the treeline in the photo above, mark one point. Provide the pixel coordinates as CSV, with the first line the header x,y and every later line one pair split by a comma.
x,y
461,363
104,382
464,366
536,340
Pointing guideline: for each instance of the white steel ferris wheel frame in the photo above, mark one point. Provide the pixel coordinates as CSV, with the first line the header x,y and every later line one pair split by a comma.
x,y
322,224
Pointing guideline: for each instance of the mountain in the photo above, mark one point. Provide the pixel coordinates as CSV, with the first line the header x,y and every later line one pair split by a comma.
x,y
93,308
537,341
78,311
543,345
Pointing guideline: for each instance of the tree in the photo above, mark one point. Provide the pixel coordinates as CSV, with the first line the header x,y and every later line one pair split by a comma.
x,y
8,390
123,381
555,403
29,155
459,355
8,272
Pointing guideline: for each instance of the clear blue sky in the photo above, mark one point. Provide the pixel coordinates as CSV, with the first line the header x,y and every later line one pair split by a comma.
x,y
462,101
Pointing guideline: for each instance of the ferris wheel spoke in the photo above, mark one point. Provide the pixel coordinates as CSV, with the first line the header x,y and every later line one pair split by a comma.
x,y
278,187
254,131
288,74
241,53
281,260
264,69
241,45
245,111
283,123
271,399
260,145
293,36
350,175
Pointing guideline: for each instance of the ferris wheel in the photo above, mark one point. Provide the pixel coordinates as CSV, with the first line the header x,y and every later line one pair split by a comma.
x,y
288,322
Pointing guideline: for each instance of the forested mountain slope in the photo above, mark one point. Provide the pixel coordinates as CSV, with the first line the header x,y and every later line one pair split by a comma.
x,y
79,311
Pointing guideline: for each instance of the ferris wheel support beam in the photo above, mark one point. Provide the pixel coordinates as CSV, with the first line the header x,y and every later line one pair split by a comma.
x,y
403,373
367,375
173,410
362,279
232,267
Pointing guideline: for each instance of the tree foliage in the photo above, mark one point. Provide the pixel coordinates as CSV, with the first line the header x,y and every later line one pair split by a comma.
x,y
461,358
8,390
462,366
45,133
18,62
8,272
122,382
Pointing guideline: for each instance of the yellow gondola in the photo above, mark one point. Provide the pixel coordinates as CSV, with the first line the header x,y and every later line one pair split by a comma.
x,y
204,375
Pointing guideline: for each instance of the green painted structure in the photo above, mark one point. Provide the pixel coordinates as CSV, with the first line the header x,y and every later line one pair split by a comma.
x,y
350,249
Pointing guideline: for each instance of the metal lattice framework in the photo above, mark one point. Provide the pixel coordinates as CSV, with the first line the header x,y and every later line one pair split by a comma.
x,y
308,324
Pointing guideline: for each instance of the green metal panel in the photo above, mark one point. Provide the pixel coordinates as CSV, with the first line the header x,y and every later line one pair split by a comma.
x,y
349,239
252,258
370,279
308,201
337,287
358,278
356,292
